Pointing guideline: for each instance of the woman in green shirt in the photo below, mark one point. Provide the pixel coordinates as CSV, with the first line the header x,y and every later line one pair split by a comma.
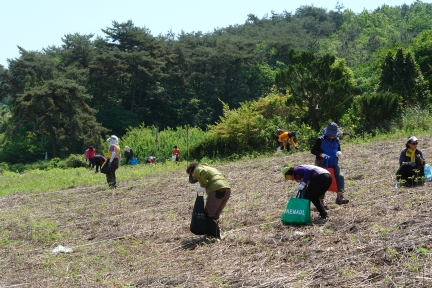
x,y
218,192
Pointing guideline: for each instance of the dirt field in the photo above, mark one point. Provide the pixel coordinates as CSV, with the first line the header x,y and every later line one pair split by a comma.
x,y
138,235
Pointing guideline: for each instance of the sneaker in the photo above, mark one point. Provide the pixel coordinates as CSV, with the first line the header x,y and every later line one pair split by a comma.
x,y
341,200
321,221
323,215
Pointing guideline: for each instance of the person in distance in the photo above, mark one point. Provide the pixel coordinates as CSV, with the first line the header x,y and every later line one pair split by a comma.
x,y
113,160
283,137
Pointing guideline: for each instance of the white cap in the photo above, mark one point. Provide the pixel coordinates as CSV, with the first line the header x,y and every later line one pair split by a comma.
x,y
113,139
411,139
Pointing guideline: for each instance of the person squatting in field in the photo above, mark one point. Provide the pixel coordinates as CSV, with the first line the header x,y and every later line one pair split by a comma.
x,y
113,159
218,192
327,151
129,154
314,181
151,160
283,137
411,164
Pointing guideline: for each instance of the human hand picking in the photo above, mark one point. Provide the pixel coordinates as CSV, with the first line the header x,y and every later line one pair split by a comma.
x,y
325,156
300,186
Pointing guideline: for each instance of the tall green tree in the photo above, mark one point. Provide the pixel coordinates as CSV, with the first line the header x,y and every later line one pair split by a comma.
x,y
400,74
45,99
77,50
323,87
422,48
59,108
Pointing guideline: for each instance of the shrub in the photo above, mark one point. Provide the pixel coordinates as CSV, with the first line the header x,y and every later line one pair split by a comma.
x,y
74,161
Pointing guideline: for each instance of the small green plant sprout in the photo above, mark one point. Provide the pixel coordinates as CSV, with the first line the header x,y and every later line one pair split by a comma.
x,y
303,274
384,233
267,225
391,251
422,250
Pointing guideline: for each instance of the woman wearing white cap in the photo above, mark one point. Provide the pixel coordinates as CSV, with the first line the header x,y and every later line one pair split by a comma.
x,y
411,164
113,161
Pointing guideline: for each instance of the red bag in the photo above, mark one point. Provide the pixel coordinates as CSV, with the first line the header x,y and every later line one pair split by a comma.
x,y
333,187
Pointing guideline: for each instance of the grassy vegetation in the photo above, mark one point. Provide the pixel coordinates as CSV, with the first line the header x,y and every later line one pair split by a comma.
x,y
35,181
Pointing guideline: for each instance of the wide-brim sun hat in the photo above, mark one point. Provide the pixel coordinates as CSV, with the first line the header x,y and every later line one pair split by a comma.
x,y
332,130
127,148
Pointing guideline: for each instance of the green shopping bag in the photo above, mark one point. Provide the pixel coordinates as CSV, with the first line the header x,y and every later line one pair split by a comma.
x,y
297,212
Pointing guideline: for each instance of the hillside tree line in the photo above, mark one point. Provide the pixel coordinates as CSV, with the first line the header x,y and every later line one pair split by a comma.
x,y
323,64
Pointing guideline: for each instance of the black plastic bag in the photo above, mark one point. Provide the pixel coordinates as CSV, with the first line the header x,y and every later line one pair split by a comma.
x,y
105,169
198,225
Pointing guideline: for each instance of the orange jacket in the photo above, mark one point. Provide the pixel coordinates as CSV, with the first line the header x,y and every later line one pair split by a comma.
x,y
285,136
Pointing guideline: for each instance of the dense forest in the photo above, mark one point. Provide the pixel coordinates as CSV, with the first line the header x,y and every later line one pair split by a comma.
x,y
360,70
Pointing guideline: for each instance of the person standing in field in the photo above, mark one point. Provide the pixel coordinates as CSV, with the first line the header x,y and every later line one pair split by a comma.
x,y
283,137
176,153
218,192
90,153
113,161
327,149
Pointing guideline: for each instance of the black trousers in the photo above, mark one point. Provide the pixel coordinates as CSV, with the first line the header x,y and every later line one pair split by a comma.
x,y
316,189
408,175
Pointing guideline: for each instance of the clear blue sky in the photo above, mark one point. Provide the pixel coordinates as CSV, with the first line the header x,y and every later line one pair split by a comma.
x,y
35,25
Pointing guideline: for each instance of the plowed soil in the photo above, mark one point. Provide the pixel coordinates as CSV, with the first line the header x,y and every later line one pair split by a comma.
x,y
138,235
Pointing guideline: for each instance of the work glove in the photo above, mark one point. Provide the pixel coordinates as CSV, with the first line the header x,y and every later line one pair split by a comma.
x,y
201,189
300,186
338,153
109,164
418,159
325,156
412,163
